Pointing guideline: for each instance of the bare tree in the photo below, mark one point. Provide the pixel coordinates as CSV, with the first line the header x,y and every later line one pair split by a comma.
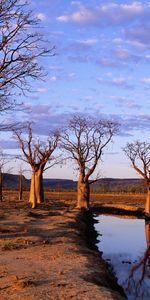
x,y
37,153
21,44
20,187
85,141
139,156
3,161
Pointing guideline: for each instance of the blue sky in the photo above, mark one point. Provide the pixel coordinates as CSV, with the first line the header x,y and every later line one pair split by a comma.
x,y
101,68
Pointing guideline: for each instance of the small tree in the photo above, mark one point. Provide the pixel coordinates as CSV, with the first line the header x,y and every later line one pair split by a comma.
x,y
21,44
20,183
85,141
20,186
37,153
139,156
3,162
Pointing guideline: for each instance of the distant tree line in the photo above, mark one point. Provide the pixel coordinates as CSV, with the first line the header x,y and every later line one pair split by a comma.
x,y
131,188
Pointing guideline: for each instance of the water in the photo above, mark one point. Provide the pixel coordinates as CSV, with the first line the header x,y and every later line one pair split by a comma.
x,y
125,243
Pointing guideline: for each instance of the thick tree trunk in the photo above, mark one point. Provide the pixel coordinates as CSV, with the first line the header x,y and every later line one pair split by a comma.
x,y
20,187
147,204
147,234
39,187
36,188
32,197
83,193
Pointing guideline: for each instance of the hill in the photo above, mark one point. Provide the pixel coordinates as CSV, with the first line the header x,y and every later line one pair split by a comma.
x,y
119,185
12,181
103,185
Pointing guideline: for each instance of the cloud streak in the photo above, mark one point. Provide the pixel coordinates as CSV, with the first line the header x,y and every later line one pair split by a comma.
x,y
105,14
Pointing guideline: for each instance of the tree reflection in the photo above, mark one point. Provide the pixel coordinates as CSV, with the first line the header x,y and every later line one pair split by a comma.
x,y
137,282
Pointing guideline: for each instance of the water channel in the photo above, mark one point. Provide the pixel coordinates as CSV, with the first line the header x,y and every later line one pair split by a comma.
x,y
125,243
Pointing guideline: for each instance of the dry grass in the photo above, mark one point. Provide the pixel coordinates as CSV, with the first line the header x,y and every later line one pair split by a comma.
x,y
7,245
126,199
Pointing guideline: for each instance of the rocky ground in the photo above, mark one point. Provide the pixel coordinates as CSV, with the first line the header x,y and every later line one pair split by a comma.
x,y
44,255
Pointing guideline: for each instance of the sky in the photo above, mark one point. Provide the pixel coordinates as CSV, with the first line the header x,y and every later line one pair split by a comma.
x,y
101,68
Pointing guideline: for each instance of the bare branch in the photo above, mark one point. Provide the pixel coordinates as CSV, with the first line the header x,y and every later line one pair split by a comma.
x,y
139,156
37,153
84,140
21,45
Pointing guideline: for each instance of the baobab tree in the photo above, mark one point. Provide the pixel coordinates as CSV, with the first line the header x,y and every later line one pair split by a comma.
x,y
85,140
139,156
37,154
21,46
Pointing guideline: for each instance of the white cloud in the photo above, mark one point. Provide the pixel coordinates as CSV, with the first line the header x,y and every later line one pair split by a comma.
x,y
89,98
105,14
42,90
146,80
117,41
53,78
109,74
72,75
41,16
88,42
119,80
122,53
125,102
107,62
139,36
137,44
63,18
99,79
56,68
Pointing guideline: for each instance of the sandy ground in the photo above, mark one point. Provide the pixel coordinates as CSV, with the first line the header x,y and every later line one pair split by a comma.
x,y
44,255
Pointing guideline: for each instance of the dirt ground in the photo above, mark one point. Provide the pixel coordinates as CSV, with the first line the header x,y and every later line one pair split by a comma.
x,y
44,253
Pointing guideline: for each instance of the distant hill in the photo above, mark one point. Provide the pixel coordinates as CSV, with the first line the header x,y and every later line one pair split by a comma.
x,y
12,181
102,185
60,184
119,185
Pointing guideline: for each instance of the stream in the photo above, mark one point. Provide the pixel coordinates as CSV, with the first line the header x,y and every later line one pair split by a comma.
x,y
125,245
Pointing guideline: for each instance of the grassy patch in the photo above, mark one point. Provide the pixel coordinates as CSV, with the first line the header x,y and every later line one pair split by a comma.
x,y
8,245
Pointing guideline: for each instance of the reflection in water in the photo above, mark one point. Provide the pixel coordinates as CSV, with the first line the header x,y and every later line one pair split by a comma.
x,y
140,272
124,246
